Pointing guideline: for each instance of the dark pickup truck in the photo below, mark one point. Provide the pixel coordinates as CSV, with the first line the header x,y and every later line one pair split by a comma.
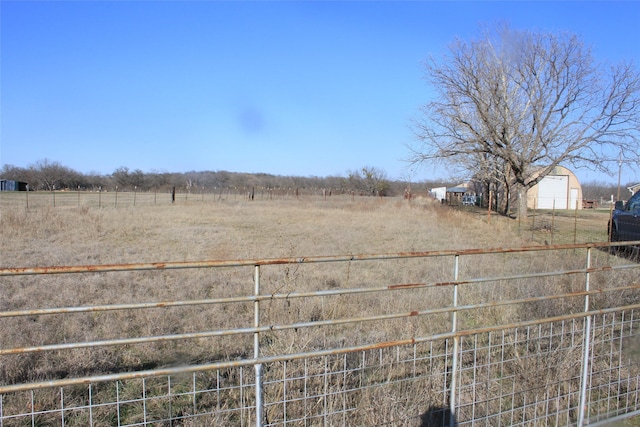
x,y
625,220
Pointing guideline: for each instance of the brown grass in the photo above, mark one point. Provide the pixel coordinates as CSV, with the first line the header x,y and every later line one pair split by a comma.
x,y
47,236
233,229
241,229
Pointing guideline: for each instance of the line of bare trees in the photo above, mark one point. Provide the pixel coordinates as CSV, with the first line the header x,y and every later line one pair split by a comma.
x,y
47,175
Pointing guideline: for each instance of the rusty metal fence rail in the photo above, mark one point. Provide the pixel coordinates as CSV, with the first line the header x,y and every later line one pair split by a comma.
x,y
506,336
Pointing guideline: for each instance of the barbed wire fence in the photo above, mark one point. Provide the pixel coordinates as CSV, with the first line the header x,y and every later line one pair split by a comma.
x,y
115,198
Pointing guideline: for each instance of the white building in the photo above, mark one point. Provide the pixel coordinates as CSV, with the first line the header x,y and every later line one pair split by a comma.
x,y
558,190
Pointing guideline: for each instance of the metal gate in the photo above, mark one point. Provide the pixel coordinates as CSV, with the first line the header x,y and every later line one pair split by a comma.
x,y
504,336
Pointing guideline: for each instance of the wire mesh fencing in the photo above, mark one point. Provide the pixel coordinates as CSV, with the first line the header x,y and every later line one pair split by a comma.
x,y
566,226
506,336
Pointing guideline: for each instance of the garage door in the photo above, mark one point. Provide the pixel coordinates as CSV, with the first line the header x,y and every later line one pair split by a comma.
x,y
553,188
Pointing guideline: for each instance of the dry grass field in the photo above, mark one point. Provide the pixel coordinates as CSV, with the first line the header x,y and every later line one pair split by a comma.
x,y
223,230
228,229
72,228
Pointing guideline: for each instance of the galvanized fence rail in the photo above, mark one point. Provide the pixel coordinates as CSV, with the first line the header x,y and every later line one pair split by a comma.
x,y
505,336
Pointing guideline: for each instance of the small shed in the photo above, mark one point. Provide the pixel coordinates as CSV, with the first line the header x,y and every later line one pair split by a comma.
x,y
11,185
560,189
454,194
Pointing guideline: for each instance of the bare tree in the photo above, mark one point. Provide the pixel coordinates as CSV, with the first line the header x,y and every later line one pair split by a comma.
x,y
52,175
530,101
15,173
492,174
369,180
122,177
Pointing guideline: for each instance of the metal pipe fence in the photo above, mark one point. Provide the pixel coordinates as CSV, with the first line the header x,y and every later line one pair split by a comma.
x,y
544,334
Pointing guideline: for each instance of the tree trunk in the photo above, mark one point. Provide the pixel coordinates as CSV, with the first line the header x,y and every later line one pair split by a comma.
x,y
507,202
486,195
522,201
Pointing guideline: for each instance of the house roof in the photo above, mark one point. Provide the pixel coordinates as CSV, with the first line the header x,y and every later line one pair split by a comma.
x,y
457,190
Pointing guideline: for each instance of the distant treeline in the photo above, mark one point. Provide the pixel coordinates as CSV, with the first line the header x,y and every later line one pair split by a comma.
x,y
48,175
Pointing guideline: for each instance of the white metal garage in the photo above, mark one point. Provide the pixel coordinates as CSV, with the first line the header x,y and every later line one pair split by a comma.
x,y
553,192
560,189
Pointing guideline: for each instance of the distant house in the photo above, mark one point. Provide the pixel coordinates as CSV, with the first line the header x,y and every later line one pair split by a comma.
x,y
11,185
558,190
455,194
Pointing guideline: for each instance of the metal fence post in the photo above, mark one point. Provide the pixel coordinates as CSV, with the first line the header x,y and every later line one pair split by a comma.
x,y
533,223
553,219
456,345
575,224
586,350
256,349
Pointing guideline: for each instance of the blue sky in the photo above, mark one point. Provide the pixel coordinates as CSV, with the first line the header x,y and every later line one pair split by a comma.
x,y
287,88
